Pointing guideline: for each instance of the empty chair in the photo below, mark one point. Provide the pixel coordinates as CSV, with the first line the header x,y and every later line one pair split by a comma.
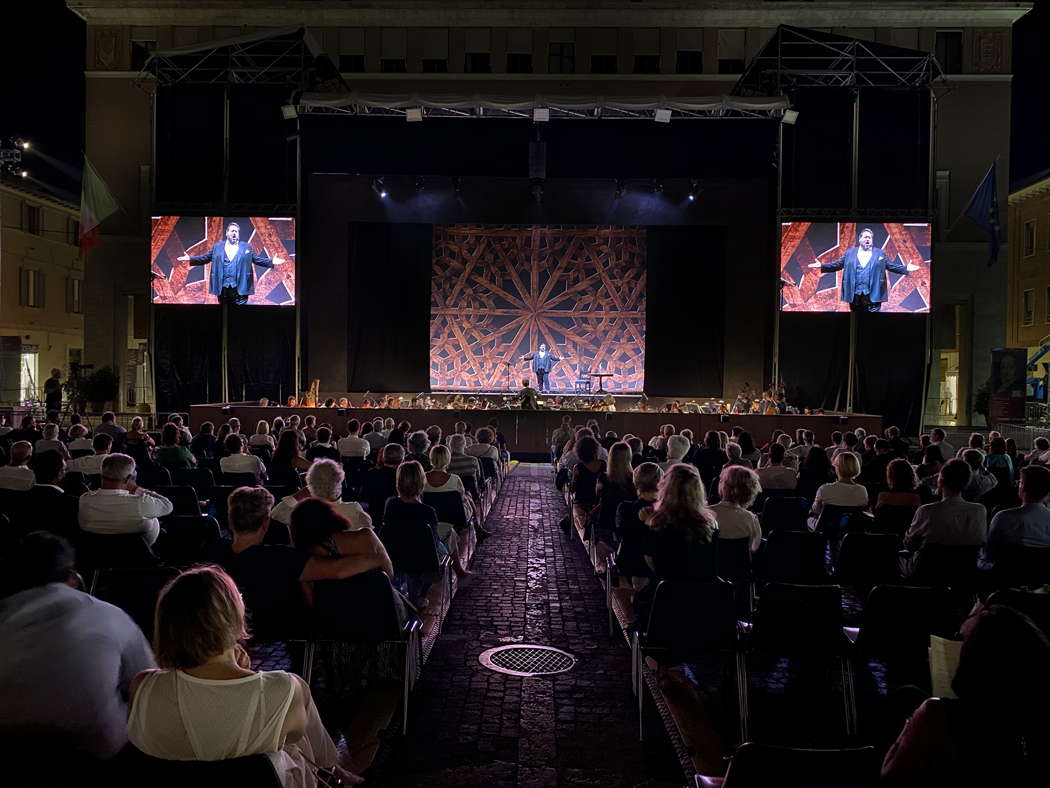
x,y
220,494
188,539
793,557
488,469
1019,566
835,521
110,551
805,621
762,765
200,479
946,565
74,483
134,591
473,486
784,512
866,560
689,620
240,480
183,498
262,452
150,476
893,519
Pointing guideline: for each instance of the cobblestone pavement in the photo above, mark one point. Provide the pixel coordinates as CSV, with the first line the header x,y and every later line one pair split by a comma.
x,y
469,726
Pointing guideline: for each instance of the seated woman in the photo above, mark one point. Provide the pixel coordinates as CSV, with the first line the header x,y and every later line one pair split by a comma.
x,y
288,460
996,731
615,485
438,479
815,470
631,531
895,508
683,538
710,459
999,463
171,455
738,488
585,473
138,444
262,436
844,491
207,704
408,509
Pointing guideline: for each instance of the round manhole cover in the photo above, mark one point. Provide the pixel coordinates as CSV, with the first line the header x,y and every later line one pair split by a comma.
x,y
527,660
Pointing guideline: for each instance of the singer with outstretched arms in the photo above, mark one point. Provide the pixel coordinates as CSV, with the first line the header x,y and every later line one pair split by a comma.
x,y
232,277
864,270
542,363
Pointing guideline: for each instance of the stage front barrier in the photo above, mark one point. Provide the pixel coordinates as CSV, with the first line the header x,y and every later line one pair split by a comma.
x,y
529,431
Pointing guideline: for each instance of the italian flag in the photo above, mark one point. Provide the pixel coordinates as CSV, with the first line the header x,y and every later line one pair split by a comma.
x,y
96,205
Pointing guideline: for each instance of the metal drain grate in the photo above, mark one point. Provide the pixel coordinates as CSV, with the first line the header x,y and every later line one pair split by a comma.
x,y
527,660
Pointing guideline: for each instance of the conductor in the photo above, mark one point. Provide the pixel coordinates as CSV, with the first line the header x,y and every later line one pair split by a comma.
x,y
232,277
542,364
864,273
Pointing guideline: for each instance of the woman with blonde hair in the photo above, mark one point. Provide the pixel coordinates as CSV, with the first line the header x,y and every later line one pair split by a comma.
x,y
438,479
738,487
614,486
207,704
682,543
844,491
631,530
262,436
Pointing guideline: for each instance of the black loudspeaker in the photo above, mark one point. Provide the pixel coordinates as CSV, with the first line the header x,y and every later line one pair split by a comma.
x,y
537,160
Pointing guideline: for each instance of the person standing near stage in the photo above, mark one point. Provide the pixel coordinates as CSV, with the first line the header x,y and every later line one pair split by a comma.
x,y
864,273
232,278
542,363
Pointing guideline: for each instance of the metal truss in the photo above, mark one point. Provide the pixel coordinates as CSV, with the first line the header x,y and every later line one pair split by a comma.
x,y
858,214
287,58
799,58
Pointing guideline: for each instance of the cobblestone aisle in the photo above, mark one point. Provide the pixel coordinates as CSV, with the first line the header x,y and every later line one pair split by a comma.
x,y
470,726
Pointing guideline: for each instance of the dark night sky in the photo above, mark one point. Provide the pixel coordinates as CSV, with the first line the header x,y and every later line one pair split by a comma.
x,y
43,87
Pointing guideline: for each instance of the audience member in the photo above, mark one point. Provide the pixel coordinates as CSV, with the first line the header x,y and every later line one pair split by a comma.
x,y
952,520
901,486
463,464
203,444
78,439
110,427
748,452
120,506
615,485
738,487
710,458
1027,525
324,481
946,450
981,481
323,446
406,509
375,436
288,460
418,443
585,474
999,463
171,454
835,445
631,530
17,475
262,436
636,450
899,445
438,479
996,731
931,462
207,704
68,659
816,470
873,473
677,447
484,446
236,461
353,446
50,442
184,433
91,464
844,491
774,476
380,483
1040,447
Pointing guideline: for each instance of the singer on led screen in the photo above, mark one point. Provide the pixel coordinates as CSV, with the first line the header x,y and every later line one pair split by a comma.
x,y
864,276
232,278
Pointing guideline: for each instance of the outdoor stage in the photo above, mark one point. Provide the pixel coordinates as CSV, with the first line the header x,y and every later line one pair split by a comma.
x,y
529,431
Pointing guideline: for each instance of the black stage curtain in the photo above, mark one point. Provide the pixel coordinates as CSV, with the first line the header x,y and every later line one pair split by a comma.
x,y
188,342
190,144
388,328
814,358
685,311
261,352
891,363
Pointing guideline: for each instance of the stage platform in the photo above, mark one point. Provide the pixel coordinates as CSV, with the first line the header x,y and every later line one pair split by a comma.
x,y
529,431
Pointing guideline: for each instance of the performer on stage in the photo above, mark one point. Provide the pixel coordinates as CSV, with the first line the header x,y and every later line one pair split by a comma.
x,y
542,364
232,277
864,278
528,396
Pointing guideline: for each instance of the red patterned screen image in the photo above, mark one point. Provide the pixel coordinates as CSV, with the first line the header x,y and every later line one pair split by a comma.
x,y
498,292
870,267
264,262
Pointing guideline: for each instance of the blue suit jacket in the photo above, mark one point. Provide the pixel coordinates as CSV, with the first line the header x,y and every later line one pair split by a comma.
x,y
244,259
546,364
850,265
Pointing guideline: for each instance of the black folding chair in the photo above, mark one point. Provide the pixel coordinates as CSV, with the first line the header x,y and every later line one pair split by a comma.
x,y
805,621
134,591
188,539
784,513
365,610
762,765
954,566
239,480
415,558
689,620
183,498
136,768
200,479
892,519
868,559
113,551
734,565
150,476
793,557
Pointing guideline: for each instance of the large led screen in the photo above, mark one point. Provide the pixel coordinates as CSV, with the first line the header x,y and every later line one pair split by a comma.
x,y
210,259
851,266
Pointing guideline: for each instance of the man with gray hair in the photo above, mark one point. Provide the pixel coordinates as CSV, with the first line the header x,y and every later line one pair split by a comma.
x,y
18,475
120,506
324,480
677,446
462,464
418,443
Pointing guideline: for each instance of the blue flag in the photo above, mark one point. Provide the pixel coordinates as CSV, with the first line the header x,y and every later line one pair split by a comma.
x,y
984,209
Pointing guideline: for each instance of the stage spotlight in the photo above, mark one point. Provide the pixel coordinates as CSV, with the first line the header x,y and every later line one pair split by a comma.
x,y
24,173
541,114
379,188
694,189
25,144
414,114
289,112
663,116
790,117
620,188
419,183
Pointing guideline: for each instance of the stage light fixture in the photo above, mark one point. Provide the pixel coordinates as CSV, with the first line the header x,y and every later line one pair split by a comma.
x,y
419,183
379,188
723,418
24,173
658,186
541,114
25,144
289,112
790,117
414,114
694,189
620,188
663,116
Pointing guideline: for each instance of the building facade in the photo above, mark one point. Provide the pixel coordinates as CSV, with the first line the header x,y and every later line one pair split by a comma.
x,y
520,48
41,291
1028,287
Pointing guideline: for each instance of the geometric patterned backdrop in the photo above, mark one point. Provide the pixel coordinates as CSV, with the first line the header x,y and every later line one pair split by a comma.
x,y
176,282
497,292
811,290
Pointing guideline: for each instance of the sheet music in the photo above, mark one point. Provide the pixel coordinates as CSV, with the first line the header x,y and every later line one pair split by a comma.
x,y
944,660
